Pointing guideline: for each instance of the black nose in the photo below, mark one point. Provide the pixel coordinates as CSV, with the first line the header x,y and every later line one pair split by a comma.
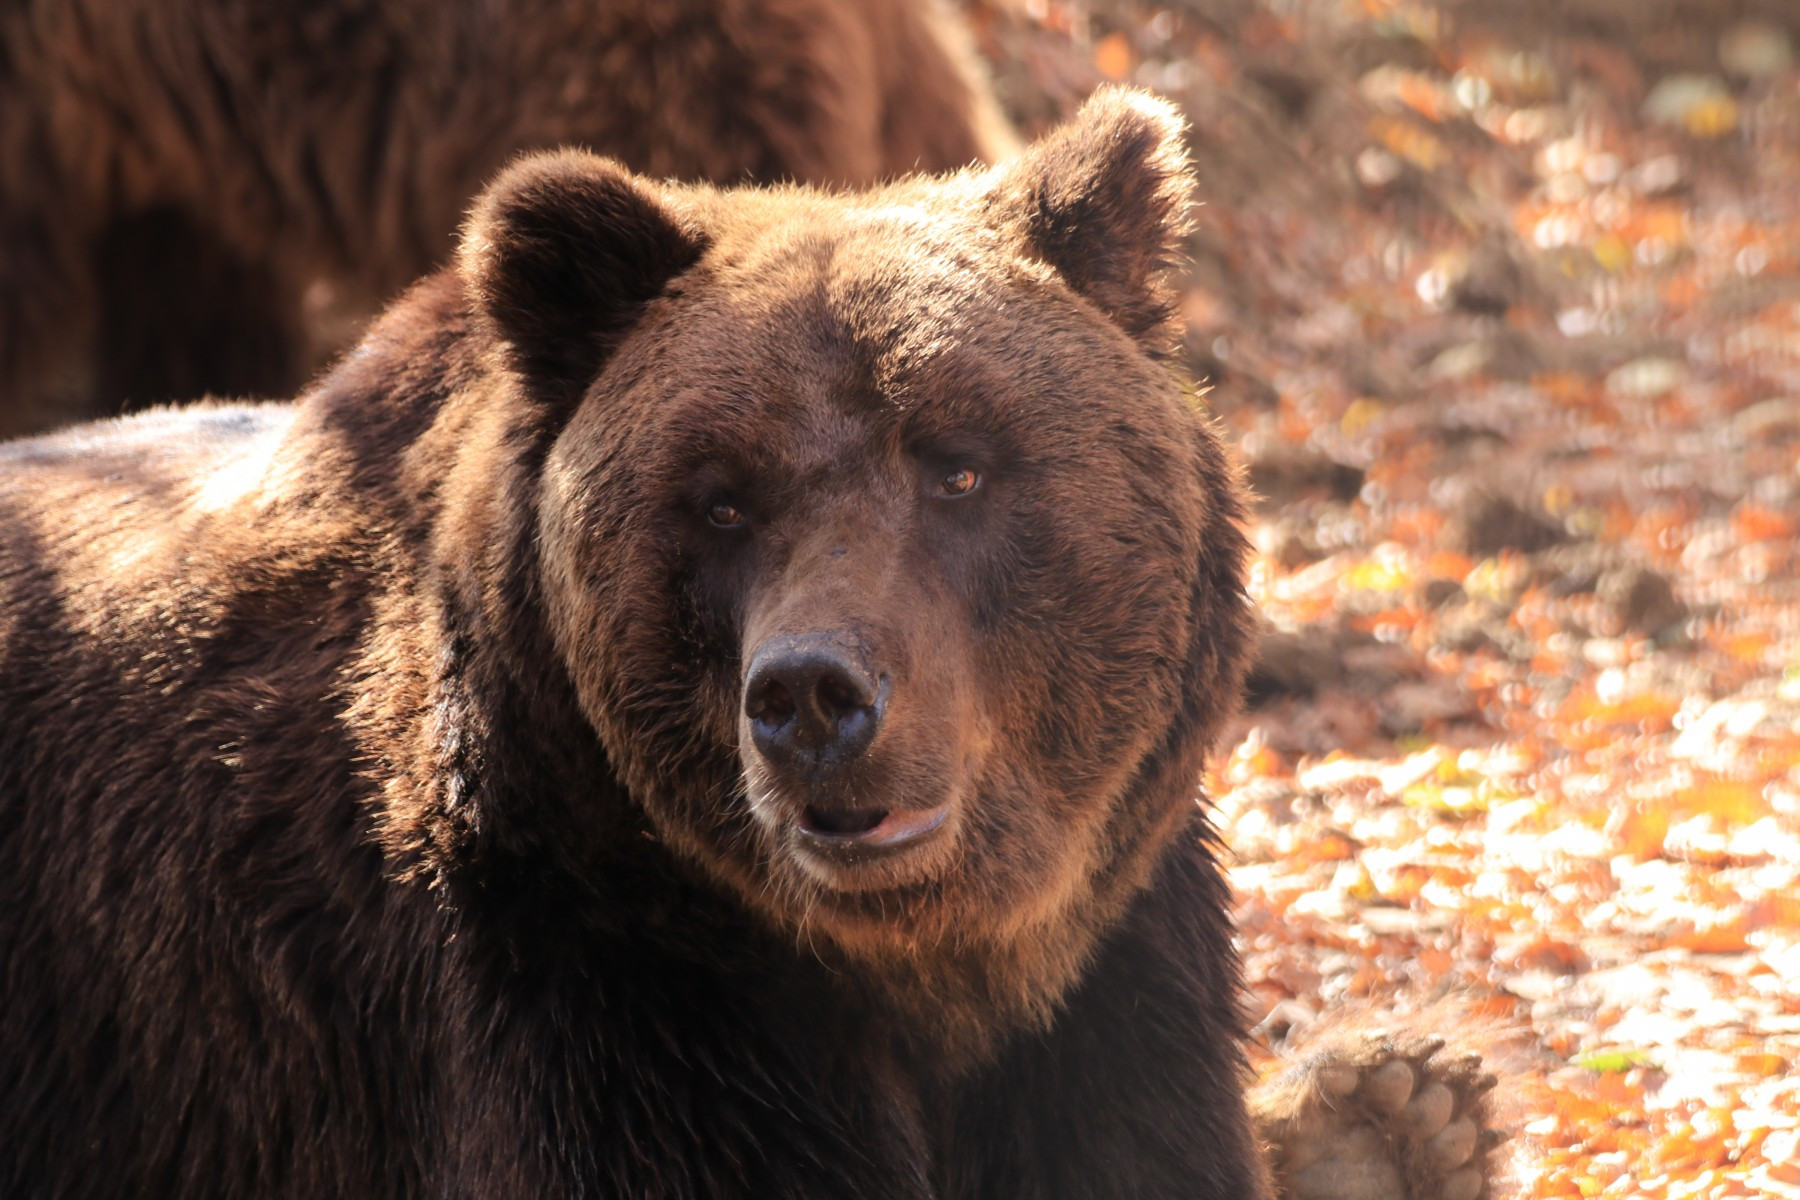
x,y
811,704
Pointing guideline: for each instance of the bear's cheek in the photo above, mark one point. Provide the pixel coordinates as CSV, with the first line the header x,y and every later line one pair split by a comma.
x,y
1082,647
650,657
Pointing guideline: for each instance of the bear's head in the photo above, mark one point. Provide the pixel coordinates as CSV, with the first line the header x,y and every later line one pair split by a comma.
x,y
901,581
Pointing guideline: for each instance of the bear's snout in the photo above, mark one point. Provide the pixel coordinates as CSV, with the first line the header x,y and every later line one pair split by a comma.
x,y
814,707
811,704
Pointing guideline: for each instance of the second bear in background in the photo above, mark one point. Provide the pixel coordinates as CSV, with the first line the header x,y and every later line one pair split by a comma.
x,y
208,195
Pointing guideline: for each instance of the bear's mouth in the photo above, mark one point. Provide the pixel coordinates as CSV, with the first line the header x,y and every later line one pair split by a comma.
x,y
884,828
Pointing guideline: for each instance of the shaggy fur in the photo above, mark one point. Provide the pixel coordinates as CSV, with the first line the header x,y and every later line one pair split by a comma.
x,y
381,819
188,187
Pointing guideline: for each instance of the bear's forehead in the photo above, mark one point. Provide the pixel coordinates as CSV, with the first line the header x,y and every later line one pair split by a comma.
x,y
898,259
909,317
888,294
886,359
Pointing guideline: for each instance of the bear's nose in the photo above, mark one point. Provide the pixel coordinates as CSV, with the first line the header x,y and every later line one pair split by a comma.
x,y
811,705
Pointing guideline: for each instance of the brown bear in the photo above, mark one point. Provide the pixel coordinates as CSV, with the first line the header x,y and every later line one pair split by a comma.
x,y
706,700
180,181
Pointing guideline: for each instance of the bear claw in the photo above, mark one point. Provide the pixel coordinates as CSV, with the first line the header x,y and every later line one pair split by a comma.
x,y
1379,1116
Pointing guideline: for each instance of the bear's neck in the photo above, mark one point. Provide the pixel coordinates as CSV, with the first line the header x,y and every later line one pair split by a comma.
x,y
486,755
955,1003
953,1010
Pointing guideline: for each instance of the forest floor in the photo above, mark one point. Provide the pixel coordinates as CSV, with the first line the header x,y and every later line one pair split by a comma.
x,y
1501,304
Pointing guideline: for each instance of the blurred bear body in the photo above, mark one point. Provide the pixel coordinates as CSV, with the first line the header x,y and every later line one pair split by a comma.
x,y
194,194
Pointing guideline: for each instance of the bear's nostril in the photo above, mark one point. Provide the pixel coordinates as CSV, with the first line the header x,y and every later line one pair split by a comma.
x,y
774,705
837,698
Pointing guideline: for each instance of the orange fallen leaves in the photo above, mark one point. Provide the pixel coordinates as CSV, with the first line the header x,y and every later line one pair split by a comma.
x,y
1114,57
1747,647
1757,522
1639,830
1410,141
1732,801
1723,932
1765,1063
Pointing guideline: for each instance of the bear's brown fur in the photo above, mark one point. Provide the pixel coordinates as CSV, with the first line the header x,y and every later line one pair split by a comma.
x,y
385,814
705,701
179,181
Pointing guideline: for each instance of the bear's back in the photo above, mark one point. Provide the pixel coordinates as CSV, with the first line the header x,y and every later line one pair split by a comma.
x,y
160,457
176,790
120,539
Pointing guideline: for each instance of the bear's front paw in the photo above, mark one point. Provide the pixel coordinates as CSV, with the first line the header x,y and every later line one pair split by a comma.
x,y
1378,1116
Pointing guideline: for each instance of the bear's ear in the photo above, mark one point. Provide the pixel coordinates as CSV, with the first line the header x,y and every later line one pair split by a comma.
x,y
1104,201
560,254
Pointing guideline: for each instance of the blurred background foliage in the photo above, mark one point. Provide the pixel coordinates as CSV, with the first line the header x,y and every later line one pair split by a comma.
x,y
1502,304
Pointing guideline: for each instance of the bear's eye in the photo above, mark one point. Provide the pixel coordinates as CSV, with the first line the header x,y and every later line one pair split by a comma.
x,y
725,515
959,482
